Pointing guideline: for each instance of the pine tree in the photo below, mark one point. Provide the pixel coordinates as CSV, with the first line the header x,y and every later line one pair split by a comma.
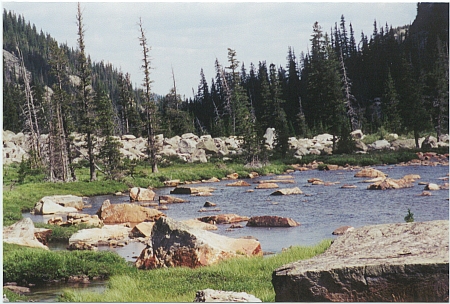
x,y
389,106
278,118
109,155
149,105
85,96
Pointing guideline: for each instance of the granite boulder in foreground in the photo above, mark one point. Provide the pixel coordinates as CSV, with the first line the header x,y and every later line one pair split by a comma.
x,y
383,263
176,244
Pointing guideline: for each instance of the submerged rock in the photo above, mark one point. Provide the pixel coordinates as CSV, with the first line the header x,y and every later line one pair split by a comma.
x,y
176,244
405,262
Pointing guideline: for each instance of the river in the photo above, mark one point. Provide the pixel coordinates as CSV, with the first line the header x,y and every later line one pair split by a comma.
x,y
320,210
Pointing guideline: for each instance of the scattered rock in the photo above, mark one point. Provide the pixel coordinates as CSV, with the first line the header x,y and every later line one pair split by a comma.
x,y
432,187
172,183
167,199
380,263
124,213
380,145
267,186
224,219
42,235
370,172
348,186
175,244
411,177
314,179
389,183
271,221
191,190
48,206
210,295
233,176
288,191
211,180
94,235
240,183
194,223
22,233
17,289
143,229
425,193
342,230
79,245
141,194
209,204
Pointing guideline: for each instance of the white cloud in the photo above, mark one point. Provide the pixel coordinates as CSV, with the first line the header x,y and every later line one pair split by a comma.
x,y
189,36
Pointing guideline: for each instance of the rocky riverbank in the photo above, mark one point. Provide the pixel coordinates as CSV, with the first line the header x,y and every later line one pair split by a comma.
x,y
192,148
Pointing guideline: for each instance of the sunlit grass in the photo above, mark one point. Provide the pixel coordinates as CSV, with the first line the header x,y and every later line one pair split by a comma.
x,y
251,275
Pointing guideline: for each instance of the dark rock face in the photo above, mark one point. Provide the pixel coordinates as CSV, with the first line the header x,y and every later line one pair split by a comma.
x,y
382,263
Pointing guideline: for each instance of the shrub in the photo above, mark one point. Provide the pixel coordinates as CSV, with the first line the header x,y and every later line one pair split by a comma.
x,y
409,218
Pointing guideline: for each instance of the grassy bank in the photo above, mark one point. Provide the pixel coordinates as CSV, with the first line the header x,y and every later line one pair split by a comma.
x,y
251,275
34,265
21,197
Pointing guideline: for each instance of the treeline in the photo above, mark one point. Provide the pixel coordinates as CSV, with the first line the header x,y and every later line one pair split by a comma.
x,y
396,80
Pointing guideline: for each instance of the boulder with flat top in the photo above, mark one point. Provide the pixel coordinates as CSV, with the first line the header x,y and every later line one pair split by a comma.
x,y
404,262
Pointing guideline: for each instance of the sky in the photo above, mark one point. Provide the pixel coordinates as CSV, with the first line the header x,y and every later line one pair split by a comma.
x,y
186,37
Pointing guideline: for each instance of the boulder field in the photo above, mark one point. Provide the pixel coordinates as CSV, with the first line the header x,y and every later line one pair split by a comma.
x,y
405,262
192,148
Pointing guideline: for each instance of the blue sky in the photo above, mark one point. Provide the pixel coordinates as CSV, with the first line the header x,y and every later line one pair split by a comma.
x,y
188,36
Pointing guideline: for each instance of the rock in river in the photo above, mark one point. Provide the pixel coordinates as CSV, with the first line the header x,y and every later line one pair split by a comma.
x,y
405,262
224,219
370,172
22,233
123,213
175,244
288,191
271,221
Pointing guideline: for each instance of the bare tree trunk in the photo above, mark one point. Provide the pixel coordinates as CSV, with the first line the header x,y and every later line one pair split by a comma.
x,y
30,112
149,108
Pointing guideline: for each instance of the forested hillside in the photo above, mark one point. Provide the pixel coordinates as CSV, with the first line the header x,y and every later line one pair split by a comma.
x,y
395,78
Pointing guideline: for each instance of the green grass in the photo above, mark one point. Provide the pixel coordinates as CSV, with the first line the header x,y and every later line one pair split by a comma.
x,y
251,275
34,265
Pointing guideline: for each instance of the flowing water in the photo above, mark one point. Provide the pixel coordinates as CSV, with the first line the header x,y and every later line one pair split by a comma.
x,y
320,210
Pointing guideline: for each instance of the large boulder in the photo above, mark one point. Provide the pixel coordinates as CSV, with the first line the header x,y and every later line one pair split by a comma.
x,y
271,221
22,233
187,146
208,145
65,201
210,295
199,156
389,183
403,144
381,144
429,142
44,207
405,262
269,138
124,213
175,244
141,194
168,199
95,235
370,172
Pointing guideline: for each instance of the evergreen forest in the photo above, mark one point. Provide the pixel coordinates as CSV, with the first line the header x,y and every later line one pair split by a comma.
x,y
394,79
